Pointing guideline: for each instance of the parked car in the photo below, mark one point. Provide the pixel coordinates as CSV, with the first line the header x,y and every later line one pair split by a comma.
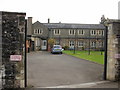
x,y
57,49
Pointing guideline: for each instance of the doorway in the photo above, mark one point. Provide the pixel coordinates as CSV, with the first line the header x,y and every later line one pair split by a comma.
x,y
44,45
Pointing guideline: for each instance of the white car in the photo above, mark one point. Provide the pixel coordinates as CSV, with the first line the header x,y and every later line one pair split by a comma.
x,y
57,49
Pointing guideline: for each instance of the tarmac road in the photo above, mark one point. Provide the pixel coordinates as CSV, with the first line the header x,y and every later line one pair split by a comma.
x,y
46,70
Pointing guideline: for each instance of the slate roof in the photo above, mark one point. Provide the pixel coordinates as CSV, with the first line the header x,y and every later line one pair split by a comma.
x,y
73,26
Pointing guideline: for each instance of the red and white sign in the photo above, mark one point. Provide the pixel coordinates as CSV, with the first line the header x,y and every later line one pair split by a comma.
x,y
15,57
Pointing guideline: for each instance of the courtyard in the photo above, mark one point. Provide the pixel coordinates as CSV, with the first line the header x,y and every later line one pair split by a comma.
x,y
47,70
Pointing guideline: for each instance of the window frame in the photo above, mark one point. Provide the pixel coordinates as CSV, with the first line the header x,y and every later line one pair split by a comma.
x,y
79,32
57,31
81,43
38,31
101,44
71,43
72,32
101,32
91,32
93,45
35,31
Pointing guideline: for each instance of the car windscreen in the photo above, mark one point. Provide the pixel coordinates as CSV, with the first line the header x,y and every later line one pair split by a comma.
x,y
57,47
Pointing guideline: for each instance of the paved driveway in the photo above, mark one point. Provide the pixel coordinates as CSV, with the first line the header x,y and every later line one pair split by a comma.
x,y
46,69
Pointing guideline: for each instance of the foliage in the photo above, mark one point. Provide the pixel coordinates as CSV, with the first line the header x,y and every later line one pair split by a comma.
x,y
66,47
51,42
95,56
82,48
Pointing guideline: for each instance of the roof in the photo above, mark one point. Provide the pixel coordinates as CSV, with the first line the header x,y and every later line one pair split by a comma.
x,y
6,12
72,26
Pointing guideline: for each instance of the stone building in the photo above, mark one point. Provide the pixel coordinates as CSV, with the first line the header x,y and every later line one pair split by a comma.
x,y
80,36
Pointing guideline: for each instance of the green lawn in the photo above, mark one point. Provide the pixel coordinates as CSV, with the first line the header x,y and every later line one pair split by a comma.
x,y
94,56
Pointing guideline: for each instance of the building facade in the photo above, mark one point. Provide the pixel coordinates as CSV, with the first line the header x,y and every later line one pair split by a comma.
x,y
78,36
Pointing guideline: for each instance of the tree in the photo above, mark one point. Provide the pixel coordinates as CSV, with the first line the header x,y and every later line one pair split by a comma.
x,y
51,42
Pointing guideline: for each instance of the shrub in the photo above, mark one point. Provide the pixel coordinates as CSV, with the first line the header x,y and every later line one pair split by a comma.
x,y
66,47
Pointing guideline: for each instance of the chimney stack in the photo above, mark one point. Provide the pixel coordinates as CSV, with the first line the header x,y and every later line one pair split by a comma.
x,y
29,26
48,20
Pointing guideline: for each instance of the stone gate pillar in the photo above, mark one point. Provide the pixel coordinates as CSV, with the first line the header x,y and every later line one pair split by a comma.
x,y
113,49
12,49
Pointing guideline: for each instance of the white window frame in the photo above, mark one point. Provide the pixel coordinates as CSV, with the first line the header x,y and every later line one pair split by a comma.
x,y
71,32
80,43
101,32
35,31
101,44
81,32
38,31
57,31
71,43
93,44
93,32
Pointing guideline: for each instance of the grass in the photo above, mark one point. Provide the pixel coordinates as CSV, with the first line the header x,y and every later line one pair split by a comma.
x,y
95,56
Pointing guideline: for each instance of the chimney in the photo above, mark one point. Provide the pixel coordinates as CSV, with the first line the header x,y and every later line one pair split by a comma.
x,y
29,26
48,20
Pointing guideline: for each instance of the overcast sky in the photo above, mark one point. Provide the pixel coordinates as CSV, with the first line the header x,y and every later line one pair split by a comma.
x,y
65,11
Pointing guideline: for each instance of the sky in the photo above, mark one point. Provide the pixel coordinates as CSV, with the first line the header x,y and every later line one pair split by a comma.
x,y
64,11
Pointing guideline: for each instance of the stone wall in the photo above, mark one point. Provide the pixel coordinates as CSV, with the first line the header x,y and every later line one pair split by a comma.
x,y
113,50
13,49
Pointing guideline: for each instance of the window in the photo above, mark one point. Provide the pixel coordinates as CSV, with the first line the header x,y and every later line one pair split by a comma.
x,y
93,32
44,43
101,32
101,44
93,44
35,31
57,42
38,31
71,43
81,32
71,32
80,43
56,32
